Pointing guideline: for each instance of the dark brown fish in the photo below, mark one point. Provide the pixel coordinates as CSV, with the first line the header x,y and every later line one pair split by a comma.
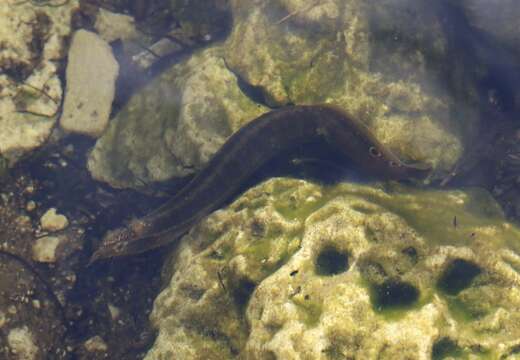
x,y
244,152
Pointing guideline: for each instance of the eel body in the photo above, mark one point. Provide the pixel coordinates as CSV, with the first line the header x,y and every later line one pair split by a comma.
x,y
243,153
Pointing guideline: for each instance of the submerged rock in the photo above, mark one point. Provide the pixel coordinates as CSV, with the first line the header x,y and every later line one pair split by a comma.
x,y
32,40
91,84
52,221
294,270
388,64
173,127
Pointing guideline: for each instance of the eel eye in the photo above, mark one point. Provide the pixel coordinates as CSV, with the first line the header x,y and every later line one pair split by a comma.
x,y
374,152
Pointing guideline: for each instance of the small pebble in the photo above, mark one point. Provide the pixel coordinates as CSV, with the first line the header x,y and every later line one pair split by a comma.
x,y
31,205
95,344
114,311
51,221
44,249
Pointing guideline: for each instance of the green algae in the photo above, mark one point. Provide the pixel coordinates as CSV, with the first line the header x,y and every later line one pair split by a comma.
x,y
377,277
292,211
309,310
446,348
453,219
261,249
459,310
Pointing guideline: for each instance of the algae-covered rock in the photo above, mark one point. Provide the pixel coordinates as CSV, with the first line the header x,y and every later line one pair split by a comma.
x,y
294,270
386,63
172,127
201,18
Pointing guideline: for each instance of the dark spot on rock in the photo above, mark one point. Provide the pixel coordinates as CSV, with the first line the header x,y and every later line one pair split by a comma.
x,y
444,348
411,252
40,33
242,292
394,293
457,276
515,350
331,261
294,272
296,292
16,69
257,228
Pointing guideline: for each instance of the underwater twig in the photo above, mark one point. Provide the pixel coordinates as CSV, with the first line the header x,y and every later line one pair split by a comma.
x,y
148,50
35,113
296,12
221,281
43,92
47,286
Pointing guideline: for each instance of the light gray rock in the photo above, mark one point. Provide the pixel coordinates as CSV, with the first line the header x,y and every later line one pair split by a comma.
x,y
32,41
384,62
91,75
387,63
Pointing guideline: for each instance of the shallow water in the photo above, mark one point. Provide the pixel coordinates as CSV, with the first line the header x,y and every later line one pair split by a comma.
x,y
109,108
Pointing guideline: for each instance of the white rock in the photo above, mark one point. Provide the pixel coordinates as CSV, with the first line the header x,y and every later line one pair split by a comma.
x,y
44,249
95,344
51,221
91,74
22,344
